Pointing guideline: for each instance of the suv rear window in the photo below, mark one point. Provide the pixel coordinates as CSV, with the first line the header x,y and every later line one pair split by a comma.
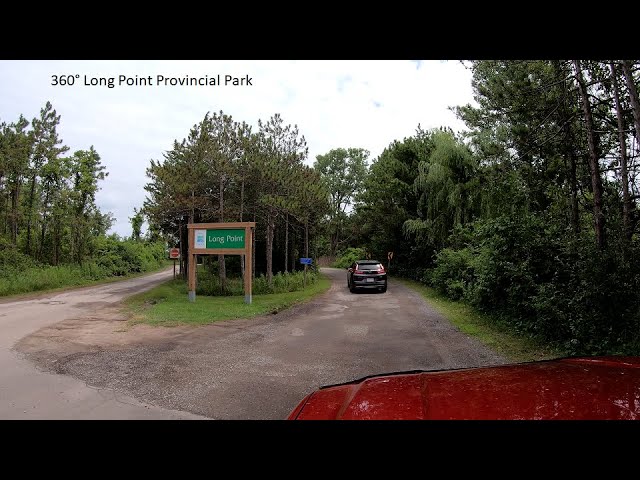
x,y
369,266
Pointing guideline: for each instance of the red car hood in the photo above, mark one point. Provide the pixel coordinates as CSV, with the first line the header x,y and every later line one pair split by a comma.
x,y
572,389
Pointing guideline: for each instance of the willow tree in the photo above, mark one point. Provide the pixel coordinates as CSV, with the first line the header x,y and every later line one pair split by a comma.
x,y
389,198
444,185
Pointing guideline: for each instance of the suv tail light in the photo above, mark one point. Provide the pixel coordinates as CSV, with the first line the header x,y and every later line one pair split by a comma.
x,y
381,269
359,272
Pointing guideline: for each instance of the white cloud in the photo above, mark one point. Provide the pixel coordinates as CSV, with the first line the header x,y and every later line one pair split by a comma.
x,y
343,103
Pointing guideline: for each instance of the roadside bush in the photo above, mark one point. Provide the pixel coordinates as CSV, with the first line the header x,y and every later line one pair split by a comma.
x,y
350,255
12,261
594,306
117,258
526,273
20,274
454,272
209,284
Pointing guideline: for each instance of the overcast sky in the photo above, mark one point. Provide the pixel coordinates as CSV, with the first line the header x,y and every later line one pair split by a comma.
x,y
365,104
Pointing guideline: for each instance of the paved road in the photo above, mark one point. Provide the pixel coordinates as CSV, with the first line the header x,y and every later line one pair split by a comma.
x,y
29,393
261,368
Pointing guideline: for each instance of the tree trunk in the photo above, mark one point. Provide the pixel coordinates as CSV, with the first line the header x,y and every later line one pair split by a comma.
x,y
573,179
56,241
222,271
626,200
633,95
253,252
4,209
43,231
269,248
79,239
15,201
186,249
40,255
334,243
4,206
294,251
30,217
596,181
569,153
180,260
306,238
75,236
286,244
242,257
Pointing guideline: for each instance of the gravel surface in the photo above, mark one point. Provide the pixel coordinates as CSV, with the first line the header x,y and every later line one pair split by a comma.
x,y
258,368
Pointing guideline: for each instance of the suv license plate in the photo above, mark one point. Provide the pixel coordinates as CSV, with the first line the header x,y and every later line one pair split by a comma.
x,y
369,279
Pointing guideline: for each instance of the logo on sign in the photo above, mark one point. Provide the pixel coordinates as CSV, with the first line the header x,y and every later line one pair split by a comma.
x,y
201,239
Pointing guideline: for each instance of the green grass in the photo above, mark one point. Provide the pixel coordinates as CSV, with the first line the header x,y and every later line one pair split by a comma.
x,y
38,280
487,330
167,305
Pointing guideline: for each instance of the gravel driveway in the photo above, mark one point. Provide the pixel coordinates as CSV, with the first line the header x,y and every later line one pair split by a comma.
x,y
257,368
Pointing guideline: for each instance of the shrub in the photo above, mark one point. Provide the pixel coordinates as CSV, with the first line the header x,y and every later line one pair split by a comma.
x,y
124,257
529,274
20,274
12,261
350,255
209,284
454,272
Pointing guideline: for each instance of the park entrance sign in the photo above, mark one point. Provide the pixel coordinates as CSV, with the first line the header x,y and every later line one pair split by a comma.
x,y
220,239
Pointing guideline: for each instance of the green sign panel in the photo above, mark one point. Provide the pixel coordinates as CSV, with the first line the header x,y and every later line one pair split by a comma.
x,y
223,238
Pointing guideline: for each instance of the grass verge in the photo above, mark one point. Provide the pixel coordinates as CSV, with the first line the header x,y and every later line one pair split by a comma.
x,y
167,304
65,281
498,337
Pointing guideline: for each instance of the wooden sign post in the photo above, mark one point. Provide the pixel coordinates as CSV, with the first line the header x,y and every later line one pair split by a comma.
x,y
174,254
233,238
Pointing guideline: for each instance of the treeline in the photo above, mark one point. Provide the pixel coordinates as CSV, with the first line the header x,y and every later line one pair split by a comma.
x,y
48,214
224,171
47,198
531,215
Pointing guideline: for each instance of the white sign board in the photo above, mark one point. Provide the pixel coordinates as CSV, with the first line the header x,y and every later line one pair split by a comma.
x,y
200,239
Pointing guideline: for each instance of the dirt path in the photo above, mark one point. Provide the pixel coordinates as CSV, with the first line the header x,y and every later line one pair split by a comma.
x,y
257,368
27,392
